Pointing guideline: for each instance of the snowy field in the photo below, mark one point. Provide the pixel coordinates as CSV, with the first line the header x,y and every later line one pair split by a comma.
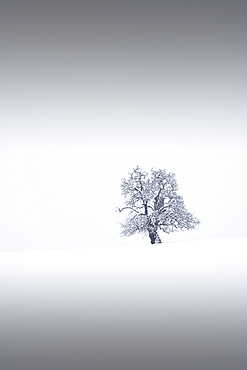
x,y
171,306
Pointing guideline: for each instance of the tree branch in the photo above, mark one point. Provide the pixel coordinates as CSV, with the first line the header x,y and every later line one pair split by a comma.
x,y
163,209
120,210
139,191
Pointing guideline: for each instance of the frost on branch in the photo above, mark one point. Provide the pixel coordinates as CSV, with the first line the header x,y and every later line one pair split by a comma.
x,y
153,204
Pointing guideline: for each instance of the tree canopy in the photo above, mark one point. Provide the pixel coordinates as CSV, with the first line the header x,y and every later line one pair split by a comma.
x,y
153,204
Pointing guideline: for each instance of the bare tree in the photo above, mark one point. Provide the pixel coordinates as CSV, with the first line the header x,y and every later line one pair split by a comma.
x,y
153,204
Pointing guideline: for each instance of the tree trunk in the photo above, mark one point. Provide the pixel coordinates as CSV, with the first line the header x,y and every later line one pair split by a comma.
x,y
155,239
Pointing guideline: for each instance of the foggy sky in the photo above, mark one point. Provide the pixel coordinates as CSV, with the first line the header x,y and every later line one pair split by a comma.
x,y
124,70
112,85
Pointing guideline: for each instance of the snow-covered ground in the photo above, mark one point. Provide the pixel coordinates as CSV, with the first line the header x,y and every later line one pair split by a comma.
x,y
171,306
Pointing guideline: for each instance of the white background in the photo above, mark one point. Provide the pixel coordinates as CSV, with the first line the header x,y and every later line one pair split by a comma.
x,y
89,90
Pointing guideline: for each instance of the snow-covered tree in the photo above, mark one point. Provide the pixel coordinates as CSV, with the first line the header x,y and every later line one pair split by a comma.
x,y
153,204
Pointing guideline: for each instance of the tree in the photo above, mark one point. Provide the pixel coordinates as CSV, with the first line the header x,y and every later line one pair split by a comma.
x,y
153,205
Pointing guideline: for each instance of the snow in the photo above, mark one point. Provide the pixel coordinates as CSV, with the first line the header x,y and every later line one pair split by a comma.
x,y
204,253
168,306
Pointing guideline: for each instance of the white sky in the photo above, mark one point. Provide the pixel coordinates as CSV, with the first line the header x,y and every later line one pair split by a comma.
x,y
91,89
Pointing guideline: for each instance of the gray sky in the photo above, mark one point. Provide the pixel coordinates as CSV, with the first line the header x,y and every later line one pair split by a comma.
x,y
91,89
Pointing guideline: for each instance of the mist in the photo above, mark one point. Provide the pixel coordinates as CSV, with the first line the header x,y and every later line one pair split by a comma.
x,y
90,90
